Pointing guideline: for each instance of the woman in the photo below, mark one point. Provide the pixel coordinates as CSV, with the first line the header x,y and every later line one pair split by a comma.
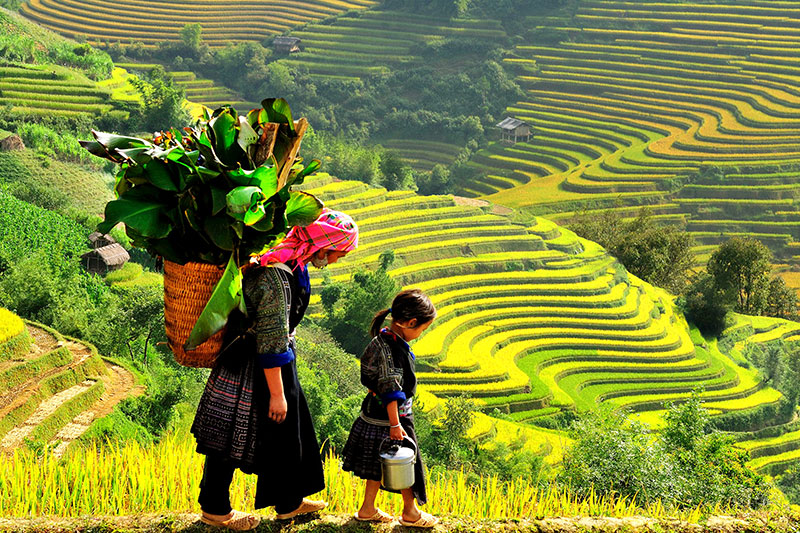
x,y
253,414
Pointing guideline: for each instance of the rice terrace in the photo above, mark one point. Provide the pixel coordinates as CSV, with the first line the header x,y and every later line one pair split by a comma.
x,y
601,199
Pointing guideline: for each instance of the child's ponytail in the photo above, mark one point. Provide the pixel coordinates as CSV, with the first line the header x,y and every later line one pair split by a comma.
x,y
377,322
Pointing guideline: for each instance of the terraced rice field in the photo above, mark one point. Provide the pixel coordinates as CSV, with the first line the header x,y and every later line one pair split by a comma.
x,y
50,90
150,23
53,387
534,320
375,41
197,90
660,102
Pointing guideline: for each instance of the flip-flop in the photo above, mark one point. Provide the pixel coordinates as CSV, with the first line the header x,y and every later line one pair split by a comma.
x,y
239,521
378,516
425,520
308,506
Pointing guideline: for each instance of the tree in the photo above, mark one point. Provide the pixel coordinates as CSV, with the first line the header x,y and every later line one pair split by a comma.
x,y
395,173
740,267
660,255
162,101
350,307
781,299
192,36
704,305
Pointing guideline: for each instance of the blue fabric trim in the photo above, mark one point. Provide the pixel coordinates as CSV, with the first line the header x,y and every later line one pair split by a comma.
x,y
396,395
303,281
273,360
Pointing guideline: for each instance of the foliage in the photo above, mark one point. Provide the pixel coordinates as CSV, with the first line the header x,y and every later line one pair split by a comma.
x,y
687,464
789,483
161,102
24,42
56,144
703,303
348,160
350,307
446,446
220,189
660,255
779,362
740,267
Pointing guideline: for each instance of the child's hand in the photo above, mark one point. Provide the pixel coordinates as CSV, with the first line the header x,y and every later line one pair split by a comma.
x,y
277,408
397,433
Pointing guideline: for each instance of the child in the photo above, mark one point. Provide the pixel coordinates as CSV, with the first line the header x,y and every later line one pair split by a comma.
x,y
387,370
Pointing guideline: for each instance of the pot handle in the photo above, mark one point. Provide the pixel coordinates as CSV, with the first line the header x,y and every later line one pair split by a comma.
x,y
406,438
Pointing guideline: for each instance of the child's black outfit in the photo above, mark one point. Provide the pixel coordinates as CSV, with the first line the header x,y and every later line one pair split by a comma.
x,y
387,370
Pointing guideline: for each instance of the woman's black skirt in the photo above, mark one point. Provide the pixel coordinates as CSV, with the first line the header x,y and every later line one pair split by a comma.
x,y
361,454
232,423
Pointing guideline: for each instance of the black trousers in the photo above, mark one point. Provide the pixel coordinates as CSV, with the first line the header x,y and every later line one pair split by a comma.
x,y
215,489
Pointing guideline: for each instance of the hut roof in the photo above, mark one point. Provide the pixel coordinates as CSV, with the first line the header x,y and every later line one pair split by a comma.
x,y
111,254
12,142
96,235
286,40
510,123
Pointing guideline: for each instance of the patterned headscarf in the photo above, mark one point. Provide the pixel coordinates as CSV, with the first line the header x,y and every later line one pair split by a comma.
x,y
333,230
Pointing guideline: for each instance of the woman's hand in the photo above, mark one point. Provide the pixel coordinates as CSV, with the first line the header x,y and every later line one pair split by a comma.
x,y
397,433
277,408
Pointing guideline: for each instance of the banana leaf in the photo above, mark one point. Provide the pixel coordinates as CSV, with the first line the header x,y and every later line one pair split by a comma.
x,y
226,297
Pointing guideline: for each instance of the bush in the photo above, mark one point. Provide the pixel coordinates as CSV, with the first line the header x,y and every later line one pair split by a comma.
x,y
687,465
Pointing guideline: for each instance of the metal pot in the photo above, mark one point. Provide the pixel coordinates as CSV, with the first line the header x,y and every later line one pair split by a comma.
x,y
397,464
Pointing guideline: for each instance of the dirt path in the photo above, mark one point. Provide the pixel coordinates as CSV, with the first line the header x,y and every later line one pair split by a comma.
x,y
772,522
43,342
15,397
119,384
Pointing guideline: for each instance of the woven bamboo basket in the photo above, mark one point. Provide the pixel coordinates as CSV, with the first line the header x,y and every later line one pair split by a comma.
x,y
187,289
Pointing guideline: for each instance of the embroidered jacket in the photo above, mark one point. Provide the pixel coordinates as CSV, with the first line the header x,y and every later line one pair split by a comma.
x,y
387,370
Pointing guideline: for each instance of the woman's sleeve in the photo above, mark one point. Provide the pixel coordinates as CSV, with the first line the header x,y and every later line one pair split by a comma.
x,y
379,375
271,320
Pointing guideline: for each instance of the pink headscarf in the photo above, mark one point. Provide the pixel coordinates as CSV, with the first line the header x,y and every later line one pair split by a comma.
x,y
333,230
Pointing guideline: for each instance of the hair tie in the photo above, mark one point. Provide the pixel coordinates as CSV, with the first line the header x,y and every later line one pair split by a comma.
x,y
388,310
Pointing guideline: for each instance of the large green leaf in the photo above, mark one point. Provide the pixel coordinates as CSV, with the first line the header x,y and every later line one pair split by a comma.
x,y
226,297
106,144
278,110
264,177
159,174
139,209
302,208
243,200
298,173
219,231
225,134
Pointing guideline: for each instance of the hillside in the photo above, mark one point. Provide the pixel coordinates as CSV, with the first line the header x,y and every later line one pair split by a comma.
x,y
225,21
691,108
536,321
53,387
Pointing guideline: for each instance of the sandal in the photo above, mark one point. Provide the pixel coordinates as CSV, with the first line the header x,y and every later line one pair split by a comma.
x,y
378,516
239,521
308,506
424,520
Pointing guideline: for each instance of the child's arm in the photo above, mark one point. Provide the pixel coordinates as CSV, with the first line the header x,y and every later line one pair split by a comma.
x,y
396,431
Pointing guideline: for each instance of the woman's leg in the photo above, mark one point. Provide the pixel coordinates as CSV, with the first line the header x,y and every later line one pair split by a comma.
x,y
215,486
368,507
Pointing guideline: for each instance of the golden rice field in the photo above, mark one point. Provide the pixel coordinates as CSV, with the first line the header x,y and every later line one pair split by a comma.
x,y
128,479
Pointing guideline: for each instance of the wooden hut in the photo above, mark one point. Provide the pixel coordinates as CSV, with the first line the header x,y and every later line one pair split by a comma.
x,y
514,130
98,240
12,142
105,259
286,45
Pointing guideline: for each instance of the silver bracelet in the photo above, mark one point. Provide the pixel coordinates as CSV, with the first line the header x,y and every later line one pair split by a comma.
x,y
397,426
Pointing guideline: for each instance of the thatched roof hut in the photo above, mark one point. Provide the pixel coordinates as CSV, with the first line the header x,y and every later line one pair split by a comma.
x,y
105,259
286,44
12,142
